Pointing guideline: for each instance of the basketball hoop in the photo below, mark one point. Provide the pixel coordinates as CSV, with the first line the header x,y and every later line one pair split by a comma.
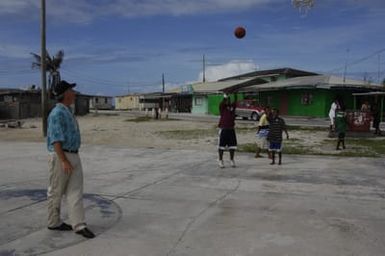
x,y
303,6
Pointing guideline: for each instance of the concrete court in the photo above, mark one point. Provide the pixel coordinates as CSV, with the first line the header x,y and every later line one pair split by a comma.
x,y
146,202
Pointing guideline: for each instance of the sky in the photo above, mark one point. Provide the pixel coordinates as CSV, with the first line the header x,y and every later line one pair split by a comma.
x,y
116,47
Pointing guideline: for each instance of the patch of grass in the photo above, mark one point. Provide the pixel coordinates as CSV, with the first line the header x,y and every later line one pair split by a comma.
x,y
303,128
376,146
105,114
248,147
188,134
361,147
148,119
251,128
139,119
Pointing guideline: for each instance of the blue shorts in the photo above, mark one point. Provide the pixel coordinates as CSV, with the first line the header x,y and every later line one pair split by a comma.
x,y
273,146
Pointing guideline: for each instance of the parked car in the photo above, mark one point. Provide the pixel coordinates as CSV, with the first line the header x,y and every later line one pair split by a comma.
x,y
248,109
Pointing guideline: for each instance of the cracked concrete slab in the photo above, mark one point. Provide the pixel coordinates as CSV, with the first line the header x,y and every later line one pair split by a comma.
x,y
178,202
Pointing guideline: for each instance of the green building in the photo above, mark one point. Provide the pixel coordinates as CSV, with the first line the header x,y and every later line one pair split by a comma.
x,y
294,92
311,95
207,96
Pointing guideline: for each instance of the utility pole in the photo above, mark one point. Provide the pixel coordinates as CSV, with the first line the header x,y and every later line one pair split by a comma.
x,y
379,68
346,64
163,82
162,91
44,103
204,69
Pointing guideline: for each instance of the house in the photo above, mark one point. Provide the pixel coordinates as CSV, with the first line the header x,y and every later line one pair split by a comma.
x,y
101,102
155,100
294,92
181,103
19,104
82,105
181,99
127,102
207,96
309,95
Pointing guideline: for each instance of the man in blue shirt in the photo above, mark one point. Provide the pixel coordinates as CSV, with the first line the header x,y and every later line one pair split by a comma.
x,y
65,167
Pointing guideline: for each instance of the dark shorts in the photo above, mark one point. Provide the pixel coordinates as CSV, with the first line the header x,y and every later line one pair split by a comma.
x,y
274,146
227,139
341,135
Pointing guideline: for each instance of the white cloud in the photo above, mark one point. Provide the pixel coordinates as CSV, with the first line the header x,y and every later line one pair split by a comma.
x,y
17,6
232,68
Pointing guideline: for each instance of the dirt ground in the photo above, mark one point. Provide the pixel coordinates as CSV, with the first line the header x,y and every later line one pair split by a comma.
x,y
123,130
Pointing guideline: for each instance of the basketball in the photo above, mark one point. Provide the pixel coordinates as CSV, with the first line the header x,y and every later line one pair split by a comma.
x,y
240,32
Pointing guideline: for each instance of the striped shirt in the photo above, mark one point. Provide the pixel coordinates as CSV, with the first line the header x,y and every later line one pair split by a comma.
x,y
276,127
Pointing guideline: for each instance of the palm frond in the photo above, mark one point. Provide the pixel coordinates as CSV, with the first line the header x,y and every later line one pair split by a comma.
x,y
48,57
59,54
58,59
52,63
37,62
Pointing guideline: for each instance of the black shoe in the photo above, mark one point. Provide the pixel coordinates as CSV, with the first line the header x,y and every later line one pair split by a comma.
x,y
62,227
86,233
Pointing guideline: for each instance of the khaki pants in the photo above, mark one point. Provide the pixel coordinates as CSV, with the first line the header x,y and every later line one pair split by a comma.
x,y
71,185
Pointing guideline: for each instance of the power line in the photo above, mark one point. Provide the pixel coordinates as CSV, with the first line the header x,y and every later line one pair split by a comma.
x,y
357,61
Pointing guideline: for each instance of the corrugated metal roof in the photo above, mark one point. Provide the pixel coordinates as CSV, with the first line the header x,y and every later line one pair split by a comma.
x,y
221,86
5,91
318,81
289,72
368,93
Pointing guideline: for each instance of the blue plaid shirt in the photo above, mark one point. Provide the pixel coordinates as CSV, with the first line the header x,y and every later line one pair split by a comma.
x,y
62,127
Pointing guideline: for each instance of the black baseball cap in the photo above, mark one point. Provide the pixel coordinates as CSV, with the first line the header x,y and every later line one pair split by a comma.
x,y
61,87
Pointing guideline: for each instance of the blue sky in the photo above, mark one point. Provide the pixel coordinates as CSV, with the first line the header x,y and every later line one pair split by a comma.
x,y
113,47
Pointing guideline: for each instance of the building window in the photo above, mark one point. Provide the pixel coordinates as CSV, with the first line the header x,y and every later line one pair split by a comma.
x,y
96,100
198,101
306,98
105,100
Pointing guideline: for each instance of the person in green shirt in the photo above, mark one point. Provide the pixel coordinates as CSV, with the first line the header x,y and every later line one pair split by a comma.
x,y
340,127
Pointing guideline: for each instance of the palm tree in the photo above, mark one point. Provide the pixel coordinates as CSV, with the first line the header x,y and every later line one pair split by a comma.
x,y
52,66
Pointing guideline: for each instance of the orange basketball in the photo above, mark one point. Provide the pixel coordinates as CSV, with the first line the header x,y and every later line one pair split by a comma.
x,y
240,32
